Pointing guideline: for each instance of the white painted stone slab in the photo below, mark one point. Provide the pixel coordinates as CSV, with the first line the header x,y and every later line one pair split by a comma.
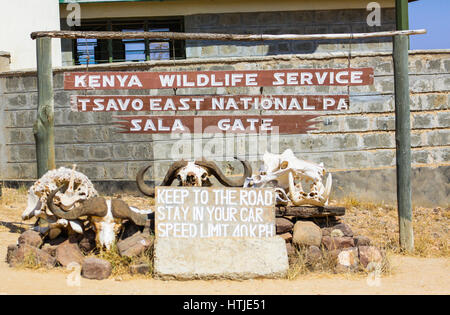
x,y
233,237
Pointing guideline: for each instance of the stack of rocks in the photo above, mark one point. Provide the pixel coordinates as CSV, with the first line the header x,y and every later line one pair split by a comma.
x,y
318,239
78,250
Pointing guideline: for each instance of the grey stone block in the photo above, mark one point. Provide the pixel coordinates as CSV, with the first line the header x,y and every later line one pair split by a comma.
x,y
421,120
443,119
15,101
227,258
420,157
357,123
100,152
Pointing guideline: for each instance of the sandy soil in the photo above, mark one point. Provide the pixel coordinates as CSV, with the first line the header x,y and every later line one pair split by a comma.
x,y
410,275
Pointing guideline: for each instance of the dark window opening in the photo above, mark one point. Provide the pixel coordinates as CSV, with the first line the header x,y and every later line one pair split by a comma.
x,y
95,51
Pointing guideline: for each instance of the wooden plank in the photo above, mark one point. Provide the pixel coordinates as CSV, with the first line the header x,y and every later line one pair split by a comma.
x,y
305,212
282,124
216,36
203,79
44,127
137,103
403,142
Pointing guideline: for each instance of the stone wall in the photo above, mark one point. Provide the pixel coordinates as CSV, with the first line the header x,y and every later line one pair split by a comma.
x,y
288,22
357,145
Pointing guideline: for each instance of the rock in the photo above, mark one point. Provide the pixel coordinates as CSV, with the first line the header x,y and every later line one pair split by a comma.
x,y
30,256
67,253
50,249
332,243
140,269
129,229
57,241
209,258
10,252
347,260
313,256
75,238
368,254
283,225
287,237
345,228
135,245
336,233
54,233
333,254
31,238
361,240
290,249
95,268
88,243
326,222
326,231
306,233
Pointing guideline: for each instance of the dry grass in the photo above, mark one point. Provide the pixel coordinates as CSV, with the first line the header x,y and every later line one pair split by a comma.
x,y
121,265
326,267
12,203
379,222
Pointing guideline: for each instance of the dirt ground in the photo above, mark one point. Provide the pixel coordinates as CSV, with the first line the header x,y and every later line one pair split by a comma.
x,y
427,272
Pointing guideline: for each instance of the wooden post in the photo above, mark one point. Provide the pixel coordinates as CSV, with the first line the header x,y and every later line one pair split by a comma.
x,y
402,18
43,128
401,12
403,142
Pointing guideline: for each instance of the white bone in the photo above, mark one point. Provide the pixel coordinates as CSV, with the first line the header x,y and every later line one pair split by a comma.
x,y
143,211
192,169
77,226
284,169
70,197
105,229
40,190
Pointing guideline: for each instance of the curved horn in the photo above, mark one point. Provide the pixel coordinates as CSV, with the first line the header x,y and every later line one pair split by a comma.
x,y
95,206
168,179
121,210
213,169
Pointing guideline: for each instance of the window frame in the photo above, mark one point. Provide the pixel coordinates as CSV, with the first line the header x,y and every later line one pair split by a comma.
x,y
177,48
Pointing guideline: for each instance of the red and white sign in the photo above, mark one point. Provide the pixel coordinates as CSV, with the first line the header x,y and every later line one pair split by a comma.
x,y
202,79
129,103
283,124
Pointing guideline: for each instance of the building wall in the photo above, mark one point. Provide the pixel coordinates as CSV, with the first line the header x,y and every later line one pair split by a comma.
x,y
357,146
256,17
18,19
104,9
287,22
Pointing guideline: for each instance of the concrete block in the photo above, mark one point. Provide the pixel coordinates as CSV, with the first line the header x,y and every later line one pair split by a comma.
x,y
175,259
443,119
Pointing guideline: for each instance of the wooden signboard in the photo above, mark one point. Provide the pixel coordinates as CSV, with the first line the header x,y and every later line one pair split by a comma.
x,y
282,124
132,103
202,79
265,123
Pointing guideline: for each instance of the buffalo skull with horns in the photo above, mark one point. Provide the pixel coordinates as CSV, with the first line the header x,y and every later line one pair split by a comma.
x,y
193,174
105,216
286,173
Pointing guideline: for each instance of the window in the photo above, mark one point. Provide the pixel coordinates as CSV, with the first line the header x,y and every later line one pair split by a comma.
x,y
95,51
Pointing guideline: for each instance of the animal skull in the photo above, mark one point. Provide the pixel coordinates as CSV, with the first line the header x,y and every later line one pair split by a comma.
x,y
81,188
193,174
286,172
106,216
